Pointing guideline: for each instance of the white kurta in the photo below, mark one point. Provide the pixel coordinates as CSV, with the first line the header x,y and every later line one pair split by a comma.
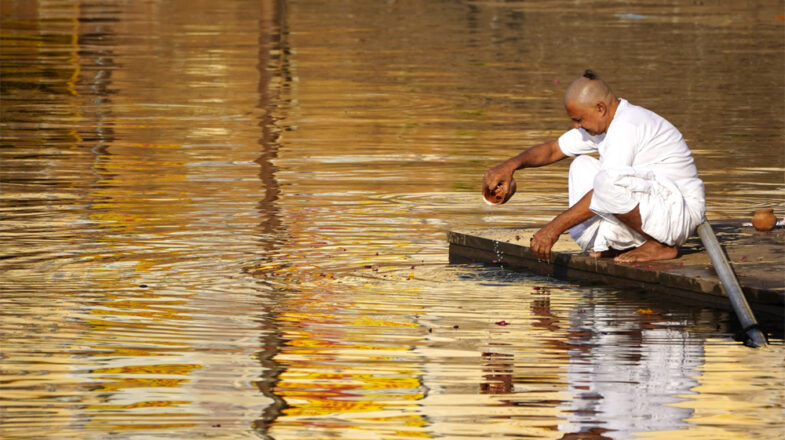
x,y
644,162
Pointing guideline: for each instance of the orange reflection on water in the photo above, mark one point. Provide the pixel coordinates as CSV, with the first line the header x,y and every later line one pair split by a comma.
x,y
343,373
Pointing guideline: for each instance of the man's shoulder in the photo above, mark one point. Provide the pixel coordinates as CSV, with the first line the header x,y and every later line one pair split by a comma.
x,y
637,114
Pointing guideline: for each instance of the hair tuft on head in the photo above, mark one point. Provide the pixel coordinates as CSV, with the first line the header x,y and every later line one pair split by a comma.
x,y
590,74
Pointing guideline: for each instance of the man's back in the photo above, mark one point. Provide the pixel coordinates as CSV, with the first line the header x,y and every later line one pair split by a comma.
x,y
639,138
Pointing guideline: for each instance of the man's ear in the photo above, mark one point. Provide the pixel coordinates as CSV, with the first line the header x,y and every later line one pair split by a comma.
x,y
602,108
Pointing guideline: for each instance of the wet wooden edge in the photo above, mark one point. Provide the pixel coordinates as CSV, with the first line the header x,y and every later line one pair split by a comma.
x,y
465,248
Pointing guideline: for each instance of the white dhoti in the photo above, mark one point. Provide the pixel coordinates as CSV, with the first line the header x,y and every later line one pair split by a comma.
x,y
666,215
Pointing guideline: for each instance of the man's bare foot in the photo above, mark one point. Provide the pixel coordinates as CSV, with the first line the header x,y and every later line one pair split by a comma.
x,y
651,250
610,253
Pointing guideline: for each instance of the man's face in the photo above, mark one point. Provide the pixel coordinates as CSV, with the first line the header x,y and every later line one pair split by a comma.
x,y
591,119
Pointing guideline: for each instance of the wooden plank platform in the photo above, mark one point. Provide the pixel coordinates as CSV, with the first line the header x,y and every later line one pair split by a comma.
x,y
758,258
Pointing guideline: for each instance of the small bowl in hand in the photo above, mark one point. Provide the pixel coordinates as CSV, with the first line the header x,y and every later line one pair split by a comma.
x,y
497,196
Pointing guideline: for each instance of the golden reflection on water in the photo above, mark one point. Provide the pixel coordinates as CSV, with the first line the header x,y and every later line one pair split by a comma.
x,y
741,413
228,221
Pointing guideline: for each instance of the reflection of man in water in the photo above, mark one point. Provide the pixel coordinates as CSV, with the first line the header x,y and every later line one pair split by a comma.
x,y
627,374
642,196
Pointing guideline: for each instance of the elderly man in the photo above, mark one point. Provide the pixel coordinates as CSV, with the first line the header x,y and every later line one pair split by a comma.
x,y
638,202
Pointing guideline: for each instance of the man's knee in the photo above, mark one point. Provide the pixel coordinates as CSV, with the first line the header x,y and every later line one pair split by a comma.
x,y
609,197
582,171
604,184
583,165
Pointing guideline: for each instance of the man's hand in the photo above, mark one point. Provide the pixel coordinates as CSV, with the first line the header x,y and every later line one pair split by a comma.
x,y
496,183
542,242
544,239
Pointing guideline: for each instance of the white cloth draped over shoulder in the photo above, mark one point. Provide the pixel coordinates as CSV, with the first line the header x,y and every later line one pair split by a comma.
x,y
644,161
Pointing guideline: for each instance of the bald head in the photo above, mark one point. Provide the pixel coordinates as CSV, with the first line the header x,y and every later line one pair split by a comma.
x,y
588,90
590,103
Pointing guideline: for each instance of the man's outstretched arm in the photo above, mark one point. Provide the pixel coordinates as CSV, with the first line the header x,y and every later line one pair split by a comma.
x,y
544,239
537,156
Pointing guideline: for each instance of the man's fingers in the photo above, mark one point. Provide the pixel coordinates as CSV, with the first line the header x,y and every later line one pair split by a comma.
x,y
494,179
492,184
537,248
488,185
540,248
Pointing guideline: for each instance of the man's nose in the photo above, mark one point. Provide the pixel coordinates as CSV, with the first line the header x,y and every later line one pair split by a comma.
x,y
576,124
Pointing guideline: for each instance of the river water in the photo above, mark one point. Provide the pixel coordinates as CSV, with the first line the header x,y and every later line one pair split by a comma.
x,y
227,219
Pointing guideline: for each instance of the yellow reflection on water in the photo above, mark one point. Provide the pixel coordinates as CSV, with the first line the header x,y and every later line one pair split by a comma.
x,y
121,163
727,402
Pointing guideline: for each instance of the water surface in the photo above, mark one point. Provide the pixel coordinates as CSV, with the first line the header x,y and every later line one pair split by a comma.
x,y
228,221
